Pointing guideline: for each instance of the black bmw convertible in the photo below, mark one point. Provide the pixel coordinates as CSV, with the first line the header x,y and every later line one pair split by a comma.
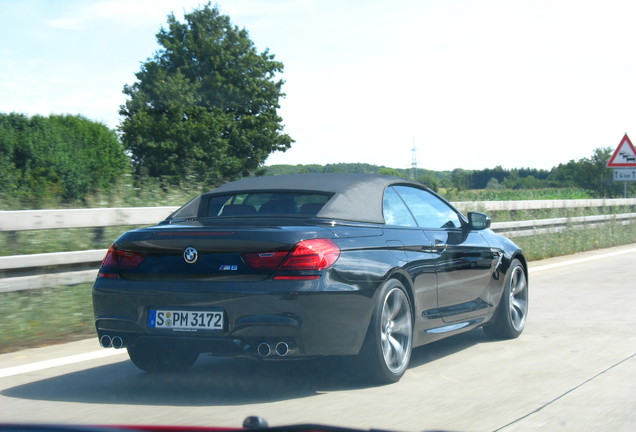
x,y
313,265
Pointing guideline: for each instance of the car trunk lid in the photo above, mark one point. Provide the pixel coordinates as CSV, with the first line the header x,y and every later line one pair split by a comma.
x,y
199,252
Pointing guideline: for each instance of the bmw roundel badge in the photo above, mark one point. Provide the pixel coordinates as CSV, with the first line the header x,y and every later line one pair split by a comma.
x,y
190,255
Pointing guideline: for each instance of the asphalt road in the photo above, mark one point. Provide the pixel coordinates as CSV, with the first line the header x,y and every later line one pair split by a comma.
x,y
574,369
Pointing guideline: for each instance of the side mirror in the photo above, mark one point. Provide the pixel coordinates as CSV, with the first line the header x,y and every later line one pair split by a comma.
x,y
479,221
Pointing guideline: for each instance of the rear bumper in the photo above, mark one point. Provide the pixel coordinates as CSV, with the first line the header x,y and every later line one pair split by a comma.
x,y
307,317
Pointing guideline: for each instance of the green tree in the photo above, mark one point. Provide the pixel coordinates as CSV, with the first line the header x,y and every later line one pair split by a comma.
x,y
494,184
590,174
461,179
388,172
599,177
429,180
60,157
205,106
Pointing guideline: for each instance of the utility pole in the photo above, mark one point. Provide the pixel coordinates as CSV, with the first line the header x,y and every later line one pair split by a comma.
x,y
413,161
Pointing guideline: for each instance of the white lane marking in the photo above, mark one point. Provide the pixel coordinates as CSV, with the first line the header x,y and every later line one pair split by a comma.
x,y
61,361
580,260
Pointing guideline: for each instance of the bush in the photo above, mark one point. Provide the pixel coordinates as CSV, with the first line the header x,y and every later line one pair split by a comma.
x,y
56,158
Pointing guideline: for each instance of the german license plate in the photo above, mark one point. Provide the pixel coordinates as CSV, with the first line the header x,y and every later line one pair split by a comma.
x,y
185,320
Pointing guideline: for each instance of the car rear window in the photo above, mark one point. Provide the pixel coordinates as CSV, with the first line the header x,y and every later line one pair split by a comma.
x,y
252,204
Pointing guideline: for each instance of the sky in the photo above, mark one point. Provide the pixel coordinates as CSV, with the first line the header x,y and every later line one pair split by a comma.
x,y
469,84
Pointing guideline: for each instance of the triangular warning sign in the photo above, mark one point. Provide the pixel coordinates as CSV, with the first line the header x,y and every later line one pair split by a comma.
x,y
624,156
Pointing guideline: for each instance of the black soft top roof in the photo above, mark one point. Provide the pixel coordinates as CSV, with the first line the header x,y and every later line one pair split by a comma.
x,y
356,197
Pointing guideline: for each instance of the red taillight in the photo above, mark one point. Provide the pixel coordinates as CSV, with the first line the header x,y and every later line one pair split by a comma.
x,y
313,254
118,259
265,260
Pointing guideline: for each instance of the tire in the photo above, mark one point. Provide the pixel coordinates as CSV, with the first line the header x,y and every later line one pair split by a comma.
x,y
510,317
386,351
151,357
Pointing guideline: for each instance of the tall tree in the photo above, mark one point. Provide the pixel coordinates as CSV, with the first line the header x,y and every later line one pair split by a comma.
x,y
461,179
205,105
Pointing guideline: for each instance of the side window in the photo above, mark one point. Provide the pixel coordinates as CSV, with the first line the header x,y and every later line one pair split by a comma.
x,y
429,210
395,211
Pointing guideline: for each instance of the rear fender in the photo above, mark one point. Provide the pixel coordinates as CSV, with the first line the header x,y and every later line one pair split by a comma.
x,y
405,279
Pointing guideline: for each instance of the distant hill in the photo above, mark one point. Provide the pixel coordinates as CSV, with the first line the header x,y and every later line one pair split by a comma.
x,y
440,176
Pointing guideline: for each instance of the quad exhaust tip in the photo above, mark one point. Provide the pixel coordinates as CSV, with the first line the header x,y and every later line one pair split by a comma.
x,y
117,342
280,349
264,349
107,341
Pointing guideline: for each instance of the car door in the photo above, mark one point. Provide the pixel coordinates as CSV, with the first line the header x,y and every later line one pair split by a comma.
x,y
464,259
404,235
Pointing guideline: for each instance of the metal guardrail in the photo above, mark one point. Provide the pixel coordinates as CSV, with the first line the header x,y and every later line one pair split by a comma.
x,y
29,220
68,268
543,204
555,225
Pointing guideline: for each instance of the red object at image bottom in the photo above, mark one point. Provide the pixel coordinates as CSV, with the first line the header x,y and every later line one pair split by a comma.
x,y
253,423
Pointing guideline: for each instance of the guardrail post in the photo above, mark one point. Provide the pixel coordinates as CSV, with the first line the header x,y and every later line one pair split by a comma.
x,y
98,235
12,239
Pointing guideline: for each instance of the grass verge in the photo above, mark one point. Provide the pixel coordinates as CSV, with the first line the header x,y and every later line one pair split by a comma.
x,y
576,240
45,316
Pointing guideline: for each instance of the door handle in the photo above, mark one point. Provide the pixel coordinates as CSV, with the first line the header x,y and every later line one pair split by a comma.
x,y
440,246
